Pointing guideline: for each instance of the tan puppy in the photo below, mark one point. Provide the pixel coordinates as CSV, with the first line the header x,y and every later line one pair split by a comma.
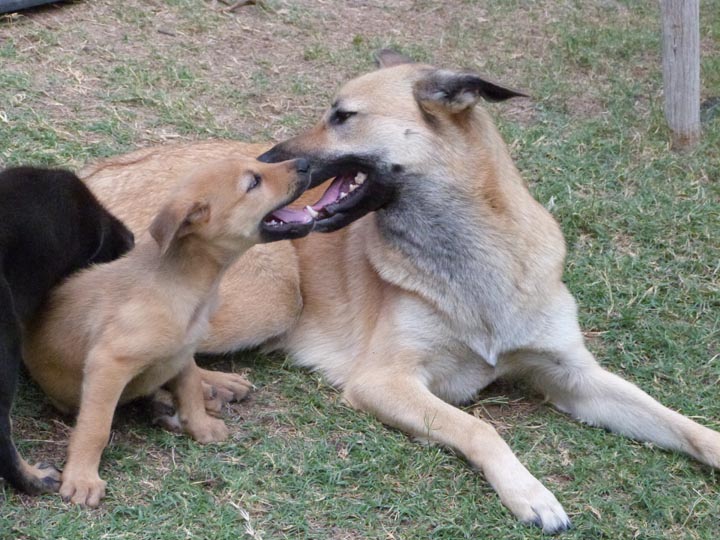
x,y
122,330
454,281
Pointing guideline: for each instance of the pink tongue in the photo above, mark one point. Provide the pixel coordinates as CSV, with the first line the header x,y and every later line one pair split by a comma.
x,y
331,195
291,215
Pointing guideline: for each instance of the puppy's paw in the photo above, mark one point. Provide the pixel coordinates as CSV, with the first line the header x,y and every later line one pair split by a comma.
x,y
534,504
208,430
48,476
213,402
85,489
39,478
220,388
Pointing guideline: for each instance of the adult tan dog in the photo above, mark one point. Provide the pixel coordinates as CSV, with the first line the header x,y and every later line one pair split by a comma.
x,y
452,282
122,330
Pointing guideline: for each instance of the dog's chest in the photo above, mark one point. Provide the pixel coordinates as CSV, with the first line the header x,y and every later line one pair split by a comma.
x,y
192,326
199,323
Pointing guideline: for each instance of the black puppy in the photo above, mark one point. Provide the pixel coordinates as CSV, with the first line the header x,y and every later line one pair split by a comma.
x,y
50,226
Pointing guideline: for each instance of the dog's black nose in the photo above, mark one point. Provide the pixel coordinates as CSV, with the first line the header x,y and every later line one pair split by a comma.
x,y
302,165
274,155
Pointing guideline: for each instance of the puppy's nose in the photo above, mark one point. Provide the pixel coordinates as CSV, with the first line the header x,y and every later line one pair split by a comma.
x,y
302,165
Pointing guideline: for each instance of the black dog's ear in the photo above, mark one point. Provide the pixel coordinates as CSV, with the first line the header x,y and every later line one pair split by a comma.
x,y
457,92
388,58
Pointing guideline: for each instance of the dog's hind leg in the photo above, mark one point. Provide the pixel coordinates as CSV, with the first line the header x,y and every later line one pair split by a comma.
x,y
400,399
574,382
26,478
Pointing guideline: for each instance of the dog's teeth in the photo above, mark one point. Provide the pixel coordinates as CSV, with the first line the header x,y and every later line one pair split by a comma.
x,y
343,194
353,187
360,177
314,213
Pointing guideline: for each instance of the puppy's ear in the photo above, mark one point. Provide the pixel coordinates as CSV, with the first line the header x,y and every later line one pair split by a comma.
x,y
176,220
458,91
388,58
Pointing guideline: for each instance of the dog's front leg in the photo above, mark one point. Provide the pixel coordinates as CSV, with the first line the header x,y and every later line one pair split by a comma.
x,y
103,383
399,398
220,388
187,390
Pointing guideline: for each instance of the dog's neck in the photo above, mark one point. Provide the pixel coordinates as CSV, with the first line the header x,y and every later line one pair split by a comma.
x,y
477,260
197,263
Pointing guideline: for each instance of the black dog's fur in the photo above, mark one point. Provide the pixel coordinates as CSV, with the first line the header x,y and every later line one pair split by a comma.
x,y
50,226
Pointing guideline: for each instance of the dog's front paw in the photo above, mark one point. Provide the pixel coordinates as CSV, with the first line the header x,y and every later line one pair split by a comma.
x,y
220,388
85,489
533,503
208,430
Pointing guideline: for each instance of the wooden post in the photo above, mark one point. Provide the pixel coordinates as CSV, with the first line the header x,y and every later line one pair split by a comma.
x,y
681,70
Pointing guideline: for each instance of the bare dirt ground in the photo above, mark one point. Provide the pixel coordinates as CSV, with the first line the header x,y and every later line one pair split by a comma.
x,y
258,72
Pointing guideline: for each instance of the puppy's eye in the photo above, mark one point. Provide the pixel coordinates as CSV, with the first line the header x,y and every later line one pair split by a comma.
x,y
339,117
254,182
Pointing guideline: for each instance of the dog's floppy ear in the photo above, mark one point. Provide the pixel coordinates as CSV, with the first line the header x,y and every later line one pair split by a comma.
x,y
176,220
458,91
388,58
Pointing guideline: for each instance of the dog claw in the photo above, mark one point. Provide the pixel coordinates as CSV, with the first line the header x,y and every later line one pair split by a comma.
x,y
553,524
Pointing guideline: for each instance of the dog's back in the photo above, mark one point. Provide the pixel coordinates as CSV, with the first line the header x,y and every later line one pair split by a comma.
x,y
50,226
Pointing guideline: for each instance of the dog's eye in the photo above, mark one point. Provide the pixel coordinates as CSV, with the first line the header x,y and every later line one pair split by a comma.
x,y
254,182
339,117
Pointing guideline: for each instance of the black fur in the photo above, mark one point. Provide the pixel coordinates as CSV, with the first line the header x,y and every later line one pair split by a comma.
x,y
50,226
447,87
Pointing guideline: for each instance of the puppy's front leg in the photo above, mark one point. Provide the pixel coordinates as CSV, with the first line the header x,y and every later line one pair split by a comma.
x,y
187,389
220,387
104,380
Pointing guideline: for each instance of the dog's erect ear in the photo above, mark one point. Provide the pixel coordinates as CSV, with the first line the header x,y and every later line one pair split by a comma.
x,y
176,220
458,91
388,58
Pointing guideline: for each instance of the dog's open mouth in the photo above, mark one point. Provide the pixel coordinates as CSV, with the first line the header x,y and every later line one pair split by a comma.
x,y
341,193
360,184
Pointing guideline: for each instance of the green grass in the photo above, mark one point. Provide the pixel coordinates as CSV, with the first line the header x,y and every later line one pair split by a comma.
x,y
642,226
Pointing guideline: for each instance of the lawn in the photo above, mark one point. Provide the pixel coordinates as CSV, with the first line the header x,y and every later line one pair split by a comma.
x,y
93,79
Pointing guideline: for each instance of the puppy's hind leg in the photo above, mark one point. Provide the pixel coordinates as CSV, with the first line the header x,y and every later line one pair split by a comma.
x,y
574,382
24,477
402,400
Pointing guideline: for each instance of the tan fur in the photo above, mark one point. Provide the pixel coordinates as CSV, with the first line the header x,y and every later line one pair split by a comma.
x,y
403,344
122,330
